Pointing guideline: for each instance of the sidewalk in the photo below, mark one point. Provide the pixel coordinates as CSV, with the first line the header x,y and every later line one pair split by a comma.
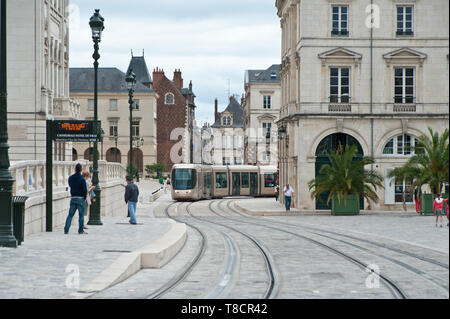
x,y
270,207
54,265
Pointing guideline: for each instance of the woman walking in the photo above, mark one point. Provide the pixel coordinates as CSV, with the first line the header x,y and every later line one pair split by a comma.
x,y
90,188
438,207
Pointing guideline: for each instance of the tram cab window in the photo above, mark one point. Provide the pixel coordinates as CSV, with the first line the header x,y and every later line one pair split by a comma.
x,y
245,180
184,178
221,180
269,180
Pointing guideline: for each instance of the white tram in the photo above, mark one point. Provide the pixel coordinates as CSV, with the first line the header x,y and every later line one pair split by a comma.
x,y
195,182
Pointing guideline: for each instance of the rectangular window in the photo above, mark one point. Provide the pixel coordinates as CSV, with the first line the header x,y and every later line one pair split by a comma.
x,y
113,105
135,130
339,85
266,131
136,105
405,20
90,105
269,180
113,128
403,186
245,180
221,180
340,20
267,101
404,85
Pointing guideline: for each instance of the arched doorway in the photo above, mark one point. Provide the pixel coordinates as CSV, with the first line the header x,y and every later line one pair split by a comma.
x,y
74,155
328,144
138,159
89,154
113,155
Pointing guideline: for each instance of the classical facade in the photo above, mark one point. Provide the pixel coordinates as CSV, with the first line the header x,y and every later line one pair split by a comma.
x,y
38,76
228,134
114,114
176,115
348,81
261,105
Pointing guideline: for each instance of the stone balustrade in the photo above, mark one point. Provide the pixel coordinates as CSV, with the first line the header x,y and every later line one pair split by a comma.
x,y
30,181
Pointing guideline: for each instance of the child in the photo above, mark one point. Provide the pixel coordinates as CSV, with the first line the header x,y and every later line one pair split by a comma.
x,y
438,207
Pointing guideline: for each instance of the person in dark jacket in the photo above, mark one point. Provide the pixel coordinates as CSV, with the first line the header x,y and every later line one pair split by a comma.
x,y
78,192
131,198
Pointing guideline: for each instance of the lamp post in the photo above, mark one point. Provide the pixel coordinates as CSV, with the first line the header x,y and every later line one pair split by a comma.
x,y
97,26
115,141
101,139
7,238
131,82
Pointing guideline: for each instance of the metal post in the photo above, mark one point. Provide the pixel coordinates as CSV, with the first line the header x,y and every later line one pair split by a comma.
x,y
130,101
95,214
49,178
7,238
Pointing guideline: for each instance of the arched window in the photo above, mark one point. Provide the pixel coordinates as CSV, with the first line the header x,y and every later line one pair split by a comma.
x,y
226,120
170,98
402,145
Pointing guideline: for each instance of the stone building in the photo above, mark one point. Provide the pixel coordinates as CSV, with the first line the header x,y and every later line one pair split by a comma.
x,y
176,115
346,82
114,114
261,106
228,134
38,76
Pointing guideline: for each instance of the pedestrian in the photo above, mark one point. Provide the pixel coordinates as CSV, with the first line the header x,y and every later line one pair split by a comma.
x,y
131,198
438,207
277,192
417,199
161,180
78,192
89,197
446,210
288,193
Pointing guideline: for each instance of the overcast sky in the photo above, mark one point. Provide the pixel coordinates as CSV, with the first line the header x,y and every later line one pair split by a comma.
x,y
213,42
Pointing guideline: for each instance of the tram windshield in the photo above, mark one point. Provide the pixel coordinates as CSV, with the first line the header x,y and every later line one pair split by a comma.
x,y
184,178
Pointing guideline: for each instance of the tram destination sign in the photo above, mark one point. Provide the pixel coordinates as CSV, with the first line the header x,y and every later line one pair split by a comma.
x,y
76,131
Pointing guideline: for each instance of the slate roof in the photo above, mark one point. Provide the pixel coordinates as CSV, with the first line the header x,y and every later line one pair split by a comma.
x,y
271,75
109,80
234,108
139,67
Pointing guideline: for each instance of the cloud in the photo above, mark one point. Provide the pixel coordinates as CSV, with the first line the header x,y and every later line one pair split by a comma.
x,y
212,42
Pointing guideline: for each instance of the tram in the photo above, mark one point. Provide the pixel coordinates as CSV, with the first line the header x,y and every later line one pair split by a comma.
x,y
196,182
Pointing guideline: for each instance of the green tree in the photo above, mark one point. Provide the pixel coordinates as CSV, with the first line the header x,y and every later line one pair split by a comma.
x,y
132,172
155,168
346,175
429,164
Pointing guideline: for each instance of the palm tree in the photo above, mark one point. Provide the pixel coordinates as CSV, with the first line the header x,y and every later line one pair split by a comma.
x,y
346,175
430,163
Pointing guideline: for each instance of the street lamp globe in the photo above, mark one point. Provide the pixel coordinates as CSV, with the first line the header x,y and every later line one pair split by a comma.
x,y
97,26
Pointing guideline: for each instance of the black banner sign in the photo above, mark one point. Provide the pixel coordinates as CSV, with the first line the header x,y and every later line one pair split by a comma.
x,y
76,131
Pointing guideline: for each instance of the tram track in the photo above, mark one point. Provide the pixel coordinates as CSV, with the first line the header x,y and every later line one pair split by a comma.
x,y
395,290
320,232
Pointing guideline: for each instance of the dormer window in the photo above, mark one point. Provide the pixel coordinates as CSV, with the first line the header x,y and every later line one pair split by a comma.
x,y
226,120
170,98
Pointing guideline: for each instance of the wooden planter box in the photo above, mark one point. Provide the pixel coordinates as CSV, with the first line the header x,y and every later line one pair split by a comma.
x,y
349,208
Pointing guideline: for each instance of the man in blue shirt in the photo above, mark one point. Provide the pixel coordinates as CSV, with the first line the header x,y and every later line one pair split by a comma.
x,y
78,192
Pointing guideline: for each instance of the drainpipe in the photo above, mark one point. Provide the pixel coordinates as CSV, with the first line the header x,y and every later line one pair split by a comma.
x,y
371,85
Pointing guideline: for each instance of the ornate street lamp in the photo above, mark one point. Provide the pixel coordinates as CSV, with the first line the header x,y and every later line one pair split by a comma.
x,y
96,24
7,238
281,132
131,83
138,143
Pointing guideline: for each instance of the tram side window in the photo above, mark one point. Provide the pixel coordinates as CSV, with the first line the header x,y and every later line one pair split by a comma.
x,y
221,180
269,180
245,180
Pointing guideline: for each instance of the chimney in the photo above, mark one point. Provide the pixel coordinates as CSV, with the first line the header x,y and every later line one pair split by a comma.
x,y
177,79
242,99
157,75
215,110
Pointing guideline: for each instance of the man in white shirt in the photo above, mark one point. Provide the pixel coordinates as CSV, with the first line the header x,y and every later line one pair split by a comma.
x,y
288,192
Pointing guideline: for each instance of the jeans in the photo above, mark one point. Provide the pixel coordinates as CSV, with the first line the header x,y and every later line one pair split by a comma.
x,y
288,202
132,210
76,204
